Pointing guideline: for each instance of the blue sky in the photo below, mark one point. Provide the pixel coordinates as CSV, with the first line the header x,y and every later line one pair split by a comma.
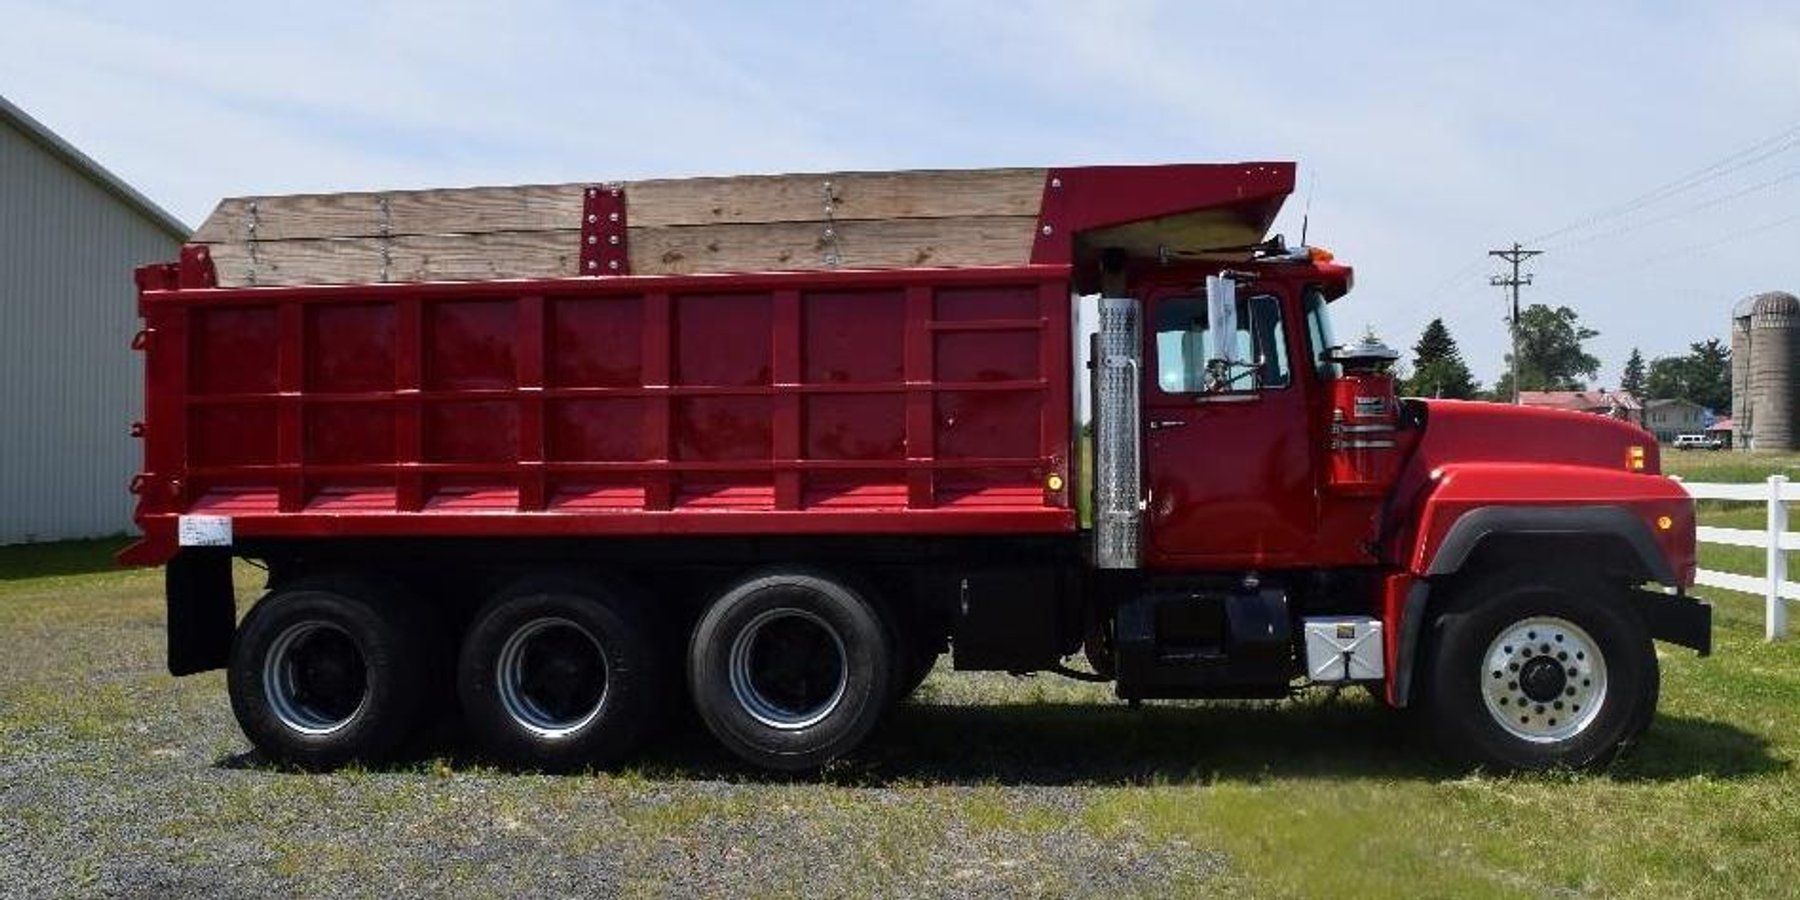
x,y
1433,133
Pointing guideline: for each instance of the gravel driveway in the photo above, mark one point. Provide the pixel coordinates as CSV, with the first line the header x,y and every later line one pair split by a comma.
x,y
116,779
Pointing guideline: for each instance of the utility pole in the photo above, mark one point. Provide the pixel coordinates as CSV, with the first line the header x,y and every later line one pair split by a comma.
x,y
1515,255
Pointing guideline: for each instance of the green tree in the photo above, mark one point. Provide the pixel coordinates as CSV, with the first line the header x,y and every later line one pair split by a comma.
x,y
1633,381
1551,355
1438,369
1703,375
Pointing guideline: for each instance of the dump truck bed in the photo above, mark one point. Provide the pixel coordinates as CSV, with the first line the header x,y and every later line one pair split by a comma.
x,y
386,398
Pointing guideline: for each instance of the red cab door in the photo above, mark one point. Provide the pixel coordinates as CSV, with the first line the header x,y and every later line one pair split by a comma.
x,y
1227,455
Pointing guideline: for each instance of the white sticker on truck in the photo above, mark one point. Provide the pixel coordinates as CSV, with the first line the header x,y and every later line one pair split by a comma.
x,y
204,531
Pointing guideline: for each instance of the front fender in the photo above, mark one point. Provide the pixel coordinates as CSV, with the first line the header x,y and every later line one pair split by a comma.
x,y
1643,524
1647,519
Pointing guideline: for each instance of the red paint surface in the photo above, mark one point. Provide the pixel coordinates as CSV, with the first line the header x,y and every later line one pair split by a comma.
x,y
1240,482
1483,454
919,401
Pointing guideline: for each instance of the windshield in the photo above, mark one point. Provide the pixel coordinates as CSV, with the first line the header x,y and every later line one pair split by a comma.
x,y
1318,333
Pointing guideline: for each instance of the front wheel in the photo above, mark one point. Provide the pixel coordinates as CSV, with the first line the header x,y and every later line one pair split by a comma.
x,y
1533,674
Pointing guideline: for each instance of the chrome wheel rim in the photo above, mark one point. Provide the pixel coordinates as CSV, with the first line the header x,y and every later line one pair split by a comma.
x,y
315,678
789,669
1543,679
552,677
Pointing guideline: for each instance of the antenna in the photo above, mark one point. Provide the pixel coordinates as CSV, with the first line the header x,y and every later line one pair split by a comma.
x,y
1312,184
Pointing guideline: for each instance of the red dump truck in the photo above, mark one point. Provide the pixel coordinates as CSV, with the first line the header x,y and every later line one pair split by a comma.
x,y
563,458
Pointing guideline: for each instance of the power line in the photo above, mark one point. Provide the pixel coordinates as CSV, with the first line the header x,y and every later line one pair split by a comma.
x,y
1775,144
1677,253
1685,211
1515,255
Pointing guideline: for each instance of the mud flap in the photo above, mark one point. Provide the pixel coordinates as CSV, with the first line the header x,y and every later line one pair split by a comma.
x,y
1677,619
202,610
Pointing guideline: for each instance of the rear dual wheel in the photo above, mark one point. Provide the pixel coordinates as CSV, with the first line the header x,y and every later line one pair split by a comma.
x,y
791,669
558,675
330,670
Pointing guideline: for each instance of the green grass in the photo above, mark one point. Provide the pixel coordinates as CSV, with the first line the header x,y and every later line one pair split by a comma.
x,y
1740,468
23,561
1729,466
986,784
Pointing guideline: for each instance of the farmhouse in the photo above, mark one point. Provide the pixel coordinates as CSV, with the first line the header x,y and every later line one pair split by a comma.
x,y
1616,404
1668,418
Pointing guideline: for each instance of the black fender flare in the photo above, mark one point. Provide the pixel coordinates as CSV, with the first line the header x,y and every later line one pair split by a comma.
x,y
1477,525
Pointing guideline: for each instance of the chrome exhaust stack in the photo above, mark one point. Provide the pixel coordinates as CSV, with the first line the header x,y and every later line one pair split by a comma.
x,y
1118,444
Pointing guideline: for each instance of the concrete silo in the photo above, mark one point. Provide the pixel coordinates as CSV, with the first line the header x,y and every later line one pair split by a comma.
x,y
1765,371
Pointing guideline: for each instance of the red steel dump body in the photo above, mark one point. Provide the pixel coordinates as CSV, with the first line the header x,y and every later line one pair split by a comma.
x,y
900,400
885,401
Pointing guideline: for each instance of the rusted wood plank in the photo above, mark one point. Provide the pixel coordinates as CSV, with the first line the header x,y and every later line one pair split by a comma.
x,y
802,246
856,196
662,250
358,260
538,207
747,199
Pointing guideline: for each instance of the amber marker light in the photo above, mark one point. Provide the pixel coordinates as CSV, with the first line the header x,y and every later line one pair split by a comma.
x,y
1054,482
1634,458
1664,523
1320,254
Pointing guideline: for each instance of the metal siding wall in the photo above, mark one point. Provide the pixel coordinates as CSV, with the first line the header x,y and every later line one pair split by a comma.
x,y
69,383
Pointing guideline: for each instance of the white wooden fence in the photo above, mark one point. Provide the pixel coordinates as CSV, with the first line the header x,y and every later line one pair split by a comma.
x,y
1774,539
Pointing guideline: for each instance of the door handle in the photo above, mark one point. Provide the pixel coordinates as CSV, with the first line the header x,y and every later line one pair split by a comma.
x,y
1160,424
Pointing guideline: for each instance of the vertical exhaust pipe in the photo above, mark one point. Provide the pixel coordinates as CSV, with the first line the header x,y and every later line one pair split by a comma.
x,y
1118,448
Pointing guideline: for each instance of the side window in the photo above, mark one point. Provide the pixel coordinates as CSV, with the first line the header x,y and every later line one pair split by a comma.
x,y
1318,333
1184,345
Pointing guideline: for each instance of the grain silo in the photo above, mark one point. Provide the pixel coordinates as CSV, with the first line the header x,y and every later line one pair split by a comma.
x,y
1765,371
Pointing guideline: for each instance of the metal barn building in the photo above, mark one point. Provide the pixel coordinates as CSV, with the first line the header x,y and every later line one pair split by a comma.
x,y
70,385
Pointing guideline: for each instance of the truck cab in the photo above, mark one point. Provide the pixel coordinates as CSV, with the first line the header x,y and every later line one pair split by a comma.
x,y
1295,519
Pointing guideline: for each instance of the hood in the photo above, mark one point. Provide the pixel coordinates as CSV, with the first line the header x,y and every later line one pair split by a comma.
x,y
1466,431
1472,431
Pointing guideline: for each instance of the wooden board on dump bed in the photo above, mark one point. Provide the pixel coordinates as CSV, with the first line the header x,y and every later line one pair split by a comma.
x,y
676,226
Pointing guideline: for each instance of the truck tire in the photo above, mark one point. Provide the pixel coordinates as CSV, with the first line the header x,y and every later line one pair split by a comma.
x,y
790,670
329,670
1535,673
560,675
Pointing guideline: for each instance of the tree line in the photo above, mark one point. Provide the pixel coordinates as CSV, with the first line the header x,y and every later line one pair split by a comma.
x,y
1553,357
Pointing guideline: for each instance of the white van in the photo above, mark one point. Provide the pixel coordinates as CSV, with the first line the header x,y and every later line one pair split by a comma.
x,y
1697,442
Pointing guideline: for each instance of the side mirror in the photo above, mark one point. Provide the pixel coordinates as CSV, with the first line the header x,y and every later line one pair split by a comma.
x,y
1221,318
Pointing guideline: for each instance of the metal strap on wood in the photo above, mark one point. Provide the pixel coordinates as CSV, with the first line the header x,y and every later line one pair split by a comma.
x,y
604,250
